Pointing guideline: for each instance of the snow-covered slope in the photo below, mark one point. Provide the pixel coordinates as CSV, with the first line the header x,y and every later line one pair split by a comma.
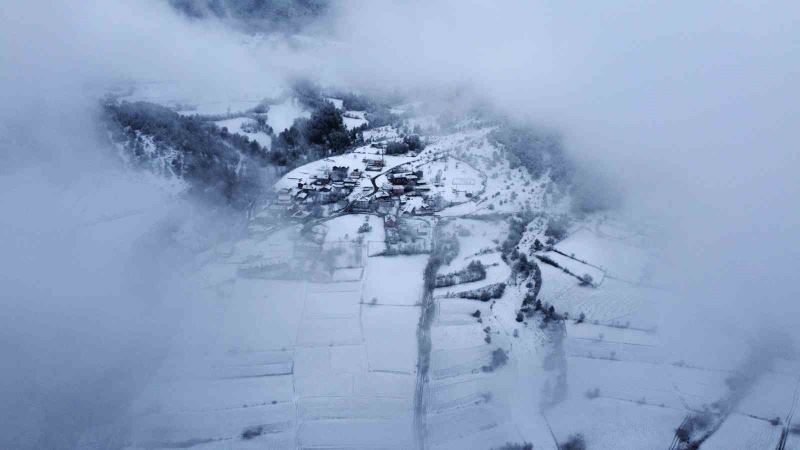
x,y
324,332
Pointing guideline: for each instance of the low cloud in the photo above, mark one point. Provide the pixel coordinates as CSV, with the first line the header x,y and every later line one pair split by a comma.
x,y
689,107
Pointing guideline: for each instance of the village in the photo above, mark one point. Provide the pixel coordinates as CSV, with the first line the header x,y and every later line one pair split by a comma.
x,y
339,189
399,189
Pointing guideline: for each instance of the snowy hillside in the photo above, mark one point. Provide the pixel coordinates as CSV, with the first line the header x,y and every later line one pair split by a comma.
x,y
445,297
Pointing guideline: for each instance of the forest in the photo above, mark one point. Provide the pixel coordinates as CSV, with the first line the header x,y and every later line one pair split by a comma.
x,y
216,164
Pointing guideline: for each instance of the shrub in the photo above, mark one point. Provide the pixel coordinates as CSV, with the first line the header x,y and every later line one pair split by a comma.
x,y
213,161
693,424
514,446
485,293
474,271
499,359
557,228
252,432
575,442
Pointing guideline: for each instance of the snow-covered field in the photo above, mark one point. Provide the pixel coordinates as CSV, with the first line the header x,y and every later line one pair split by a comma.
x,y
354,119
503,190
291,364
332,361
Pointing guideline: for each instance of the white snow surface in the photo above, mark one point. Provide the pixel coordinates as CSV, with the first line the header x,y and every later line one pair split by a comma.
x,y
332,362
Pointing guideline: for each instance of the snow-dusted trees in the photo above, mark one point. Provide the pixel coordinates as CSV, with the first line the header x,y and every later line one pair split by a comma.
x,y
534,149
411,143
575,442
213,161
312,138
475,271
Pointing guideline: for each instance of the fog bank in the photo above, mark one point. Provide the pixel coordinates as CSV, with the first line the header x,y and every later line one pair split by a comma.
x,y
689,107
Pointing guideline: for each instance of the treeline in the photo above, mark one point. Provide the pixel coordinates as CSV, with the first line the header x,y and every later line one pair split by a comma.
x,y
256,15
377,109
215,163
324,133
475,271
539,150
308,139
410,143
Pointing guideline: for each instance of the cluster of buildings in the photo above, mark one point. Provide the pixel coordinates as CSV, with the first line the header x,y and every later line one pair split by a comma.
x,y
337,188
411,191
329,189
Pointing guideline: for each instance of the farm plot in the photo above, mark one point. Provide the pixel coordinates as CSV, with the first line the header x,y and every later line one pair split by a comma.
x,y
454,180
478,241
741,432
506,190
394,280
391,338
291,363
614,300
354,119
618,257
472,427
606,422
254,303
354,384
353,233
620,388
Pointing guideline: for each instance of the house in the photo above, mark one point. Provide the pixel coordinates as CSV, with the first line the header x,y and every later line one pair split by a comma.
x,y
398,190
390,221
284,199
398,179
374,165
425,208
361,204
356,174
338,173
301,214
323,193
